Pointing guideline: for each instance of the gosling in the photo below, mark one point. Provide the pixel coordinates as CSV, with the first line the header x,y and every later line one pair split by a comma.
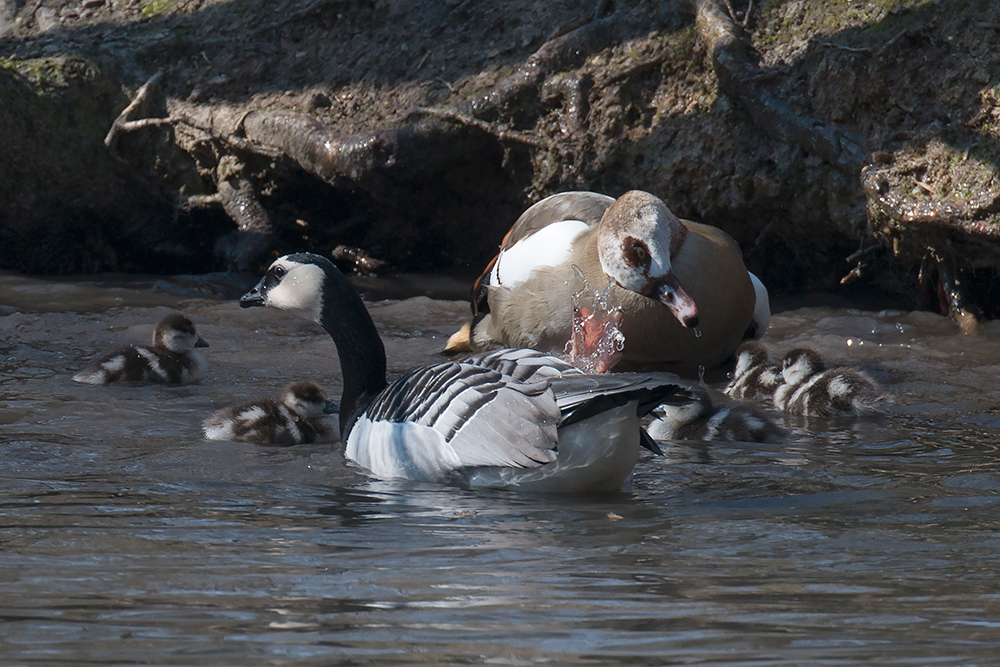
x,y
699,419
810,389
294,419
755,377
171,359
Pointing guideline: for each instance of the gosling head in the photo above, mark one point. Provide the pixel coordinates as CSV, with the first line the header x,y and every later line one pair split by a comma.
x,y
799,365
679,413
177,334
307,400
749,355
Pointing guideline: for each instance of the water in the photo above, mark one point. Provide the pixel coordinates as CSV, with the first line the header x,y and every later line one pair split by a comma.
x,y
125,538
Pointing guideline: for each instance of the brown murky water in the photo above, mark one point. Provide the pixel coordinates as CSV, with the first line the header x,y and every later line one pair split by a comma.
x,y
125,538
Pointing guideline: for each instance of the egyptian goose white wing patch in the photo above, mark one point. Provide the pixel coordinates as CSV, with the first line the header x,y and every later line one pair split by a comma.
x,y
549,246
441,418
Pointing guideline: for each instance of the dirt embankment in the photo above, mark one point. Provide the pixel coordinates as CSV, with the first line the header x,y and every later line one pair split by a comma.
x,y
812,130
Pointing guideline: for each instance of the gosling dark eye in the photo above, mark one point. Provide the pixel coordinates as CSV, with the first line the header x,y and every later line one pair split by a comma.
x,y
279,271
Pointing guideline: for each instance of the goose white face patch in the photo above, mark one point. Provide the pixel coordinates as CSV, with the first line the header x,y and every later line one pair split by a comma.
x,y
549,246
299,290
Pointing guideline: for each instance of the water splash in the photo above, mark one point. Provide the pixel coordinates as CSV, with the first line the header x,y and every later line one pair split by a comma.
x,y
597,342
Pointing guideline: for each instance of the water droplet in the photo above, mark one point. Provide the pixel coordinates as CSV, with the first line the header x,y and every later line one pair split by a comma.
x,y
596,342
701,373
697,332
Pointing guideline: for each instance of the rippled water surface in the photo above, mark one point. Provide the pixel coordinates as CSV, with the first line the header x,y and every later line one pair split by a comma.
x,y
125,538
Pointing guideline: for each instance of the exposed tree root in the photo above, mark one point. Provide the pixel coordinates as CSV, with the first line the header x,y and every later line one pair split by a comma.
x,y
945,234
941,232
124,122
241,202
963,215
941,281
740,76
425,144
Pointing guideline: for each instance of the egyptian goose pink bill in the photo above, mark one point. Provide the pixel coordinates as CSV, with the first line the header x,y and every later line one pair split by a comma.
x,y
808,388
171,359
701,419
511,418
294,419
686,298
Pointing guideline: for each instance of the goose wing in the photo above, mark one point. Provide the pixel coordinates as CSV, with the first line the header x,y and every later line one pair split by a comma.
x,y
573,389
500,409
440,418
588,207
582,396
524,364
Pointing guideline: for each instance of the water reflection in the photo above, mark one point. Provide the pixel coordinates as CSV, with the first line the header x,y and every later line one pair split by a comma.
x,y
126,538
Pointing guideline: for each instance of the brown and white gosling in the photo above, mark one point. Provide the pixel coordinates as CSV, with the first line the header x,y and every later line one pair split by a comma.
x,y
755,376
699,419
294,419
171,359
809,389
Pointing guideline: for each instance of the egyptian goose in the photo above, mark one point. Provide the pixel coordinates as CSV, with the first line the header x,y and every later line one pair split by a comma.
x,y
295,419
754,377
171,359
510,418
809,389
700,419
686,298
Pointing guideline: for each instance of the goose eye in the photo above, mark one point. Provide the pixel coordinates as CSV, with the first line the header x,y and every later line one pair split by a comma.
x,y
279,271
637,253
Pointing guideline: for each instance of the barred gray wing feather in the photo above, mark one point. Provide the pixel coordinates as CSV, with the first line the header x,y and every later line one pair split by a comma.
x,y
582,396
485,418
524,365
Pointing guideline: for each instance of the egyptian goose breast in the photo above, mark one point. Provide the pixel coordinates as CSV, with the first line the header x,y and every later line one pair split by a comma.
x,y
508,418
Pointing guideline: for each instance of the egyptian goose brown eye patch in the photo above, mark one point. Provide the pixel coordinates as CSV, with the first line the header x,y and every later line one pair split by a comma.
x,y
636,252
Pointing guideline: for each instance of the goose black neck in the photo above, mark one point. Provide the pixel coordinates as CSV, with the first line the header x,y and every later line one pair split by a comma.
x,y
362,355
